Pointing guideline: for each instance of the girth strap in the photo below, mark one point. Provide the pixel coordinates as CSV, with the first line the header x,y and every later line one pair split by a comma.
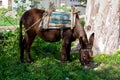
x,y
61,33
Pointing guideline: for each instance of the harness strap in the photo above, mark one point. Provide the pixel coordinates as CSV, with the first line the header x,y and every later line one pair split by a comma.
x,y
44,19
61,32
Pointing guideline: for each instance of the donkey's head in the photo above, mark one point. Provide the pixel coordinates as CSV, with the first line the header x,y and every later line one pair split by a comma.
x,y
85,52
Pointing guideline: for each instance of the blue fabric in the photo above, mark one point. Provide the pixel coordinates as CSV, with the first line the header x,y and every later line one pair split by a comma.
x,y
58,16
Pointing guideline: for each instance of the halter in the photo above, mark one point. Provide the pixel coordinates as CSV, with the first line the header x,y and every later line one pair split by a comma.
x,y
85,49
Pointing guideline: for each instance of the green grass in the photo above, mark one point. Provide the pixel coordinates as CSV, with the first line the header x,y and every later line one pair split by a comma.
x,y
47,65
8,21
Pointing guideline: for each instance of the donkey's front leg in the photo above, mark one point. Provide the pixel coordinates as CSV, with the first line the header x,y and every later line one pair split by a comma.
x,y
65,52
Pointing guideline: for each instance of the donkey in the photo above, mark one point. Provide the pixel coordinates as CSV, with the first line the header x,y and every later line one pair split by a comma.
x,y
33,18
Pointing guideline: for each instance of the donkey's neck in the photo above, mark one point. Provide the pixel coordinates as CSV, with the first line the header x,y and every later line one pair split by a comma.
x,y
80,30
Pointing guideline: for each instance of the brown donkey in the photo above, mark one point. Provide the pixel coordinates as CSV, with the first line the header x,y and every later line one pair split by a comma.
x,y
68,35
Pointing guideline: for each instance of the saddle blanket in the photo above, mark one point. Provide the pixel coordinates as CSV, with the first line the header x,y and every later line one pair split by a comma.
x,y
59,20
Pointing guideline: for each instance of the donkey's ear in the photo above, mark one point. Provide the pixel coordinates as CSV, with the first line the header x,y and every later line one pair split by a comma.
x,y
91,40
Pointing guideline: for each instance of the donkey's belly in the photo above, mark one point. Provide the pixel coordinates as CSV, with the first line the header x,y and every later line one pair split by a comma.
x,y
50,35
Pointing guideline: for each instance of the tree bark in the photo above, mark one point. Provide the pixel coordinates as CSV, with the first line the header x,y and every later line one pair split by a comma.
x,y
103,19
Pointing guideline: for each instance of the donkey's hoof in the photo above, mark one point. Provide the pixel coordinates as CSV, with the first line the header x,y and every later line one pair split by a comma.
x,y
86,67
70,60
63,61
29,61
22,61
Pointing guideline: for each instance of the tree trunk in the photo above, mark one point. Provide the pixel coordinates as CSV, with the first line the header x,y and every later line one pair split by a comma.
x,y
103,19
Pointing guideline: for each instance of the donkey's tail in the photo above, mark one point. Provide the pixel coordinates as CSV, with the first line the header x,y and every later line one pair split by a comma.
x,y
21,42
20,34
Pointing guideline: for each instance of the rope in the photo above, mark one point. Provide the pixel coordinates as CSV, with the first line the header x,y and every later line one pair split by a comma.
x,y
32,25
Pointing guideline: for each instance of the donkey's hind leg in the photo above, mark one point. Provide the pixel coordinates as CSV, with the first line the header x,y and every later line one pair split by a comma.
x,y
29,38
